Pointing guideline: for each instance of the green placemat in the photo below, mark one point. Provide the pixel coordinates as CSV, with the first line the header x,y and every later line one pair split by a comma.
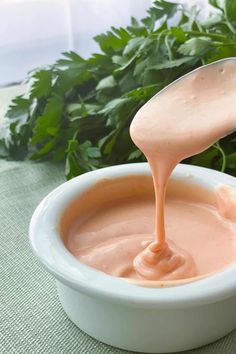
x,y
31,318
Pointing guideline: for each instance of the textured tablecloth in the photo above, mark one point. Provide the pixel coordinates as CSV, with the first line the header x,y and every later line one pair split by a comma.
x,y
31,318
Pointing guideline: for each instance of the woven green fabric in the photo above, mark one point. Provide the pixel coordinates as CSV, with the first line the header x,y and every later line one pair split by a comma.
x,y
31,318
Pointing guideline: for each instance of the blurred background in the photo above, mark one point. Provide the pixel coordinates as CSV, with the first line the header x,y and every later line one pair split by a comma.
x,y
35,32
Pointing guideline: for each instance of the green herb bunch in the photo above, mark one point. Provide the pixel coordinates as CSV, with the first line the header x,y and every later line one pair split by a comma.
x,y
79,110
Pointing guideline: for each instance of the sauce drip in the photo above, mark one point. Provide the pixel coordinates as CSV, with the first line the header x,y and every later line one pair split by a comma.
x,y
182,120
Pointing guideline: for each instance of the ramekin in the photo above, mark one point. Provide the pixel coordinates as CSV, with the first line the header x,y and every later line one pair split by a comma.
x,y
125,315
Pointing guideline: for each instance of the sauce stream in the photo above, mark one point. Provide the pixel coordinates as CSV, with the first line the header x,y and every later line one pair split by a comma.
x,y
182,120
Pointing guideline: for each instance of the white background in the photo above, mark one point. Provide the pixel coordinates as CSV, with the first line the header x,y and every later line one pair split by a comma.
x,y
35,32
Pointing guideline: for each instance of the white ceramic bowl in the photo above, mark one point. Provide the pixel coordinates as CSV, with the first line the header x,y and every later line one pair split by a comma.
x,y
154,320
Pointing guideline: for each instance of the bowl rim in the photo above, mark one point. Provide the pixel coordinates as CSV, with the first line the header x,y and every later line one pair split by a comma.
x,y
47,245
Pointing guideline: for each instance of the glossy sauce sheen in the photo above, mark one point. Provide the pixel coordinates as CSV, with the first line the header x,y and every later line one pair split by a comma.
x,y
113,236
131,238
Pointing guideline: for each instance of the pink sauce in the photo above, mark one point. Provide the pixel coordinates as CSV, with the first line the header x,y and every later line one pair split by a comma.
x,y
226,201
131,238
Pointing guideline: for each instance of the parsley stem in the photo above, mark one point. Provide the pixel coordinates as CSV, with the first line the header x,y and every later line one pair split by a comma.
x,y
225,44
194,33
206,34
227,22
219,148
168,47
232,29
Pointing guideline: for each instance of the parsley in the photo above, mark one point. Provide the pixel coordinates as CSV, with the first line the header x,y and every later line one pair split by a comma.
x,y
78,111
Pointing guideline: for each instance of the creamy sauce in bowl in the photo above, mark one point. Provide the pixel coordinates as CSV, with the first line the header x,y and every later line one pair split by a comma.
x,y
169,239
120,226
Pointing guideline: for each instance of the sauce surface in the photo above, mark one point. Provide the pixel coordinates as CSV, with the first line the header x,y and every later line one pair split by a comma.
x,y
121,230
173,240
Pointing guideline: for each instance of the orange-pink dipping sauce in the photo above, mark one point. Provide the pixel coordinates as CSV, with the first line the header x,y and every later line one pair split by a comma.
x,y
182,235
